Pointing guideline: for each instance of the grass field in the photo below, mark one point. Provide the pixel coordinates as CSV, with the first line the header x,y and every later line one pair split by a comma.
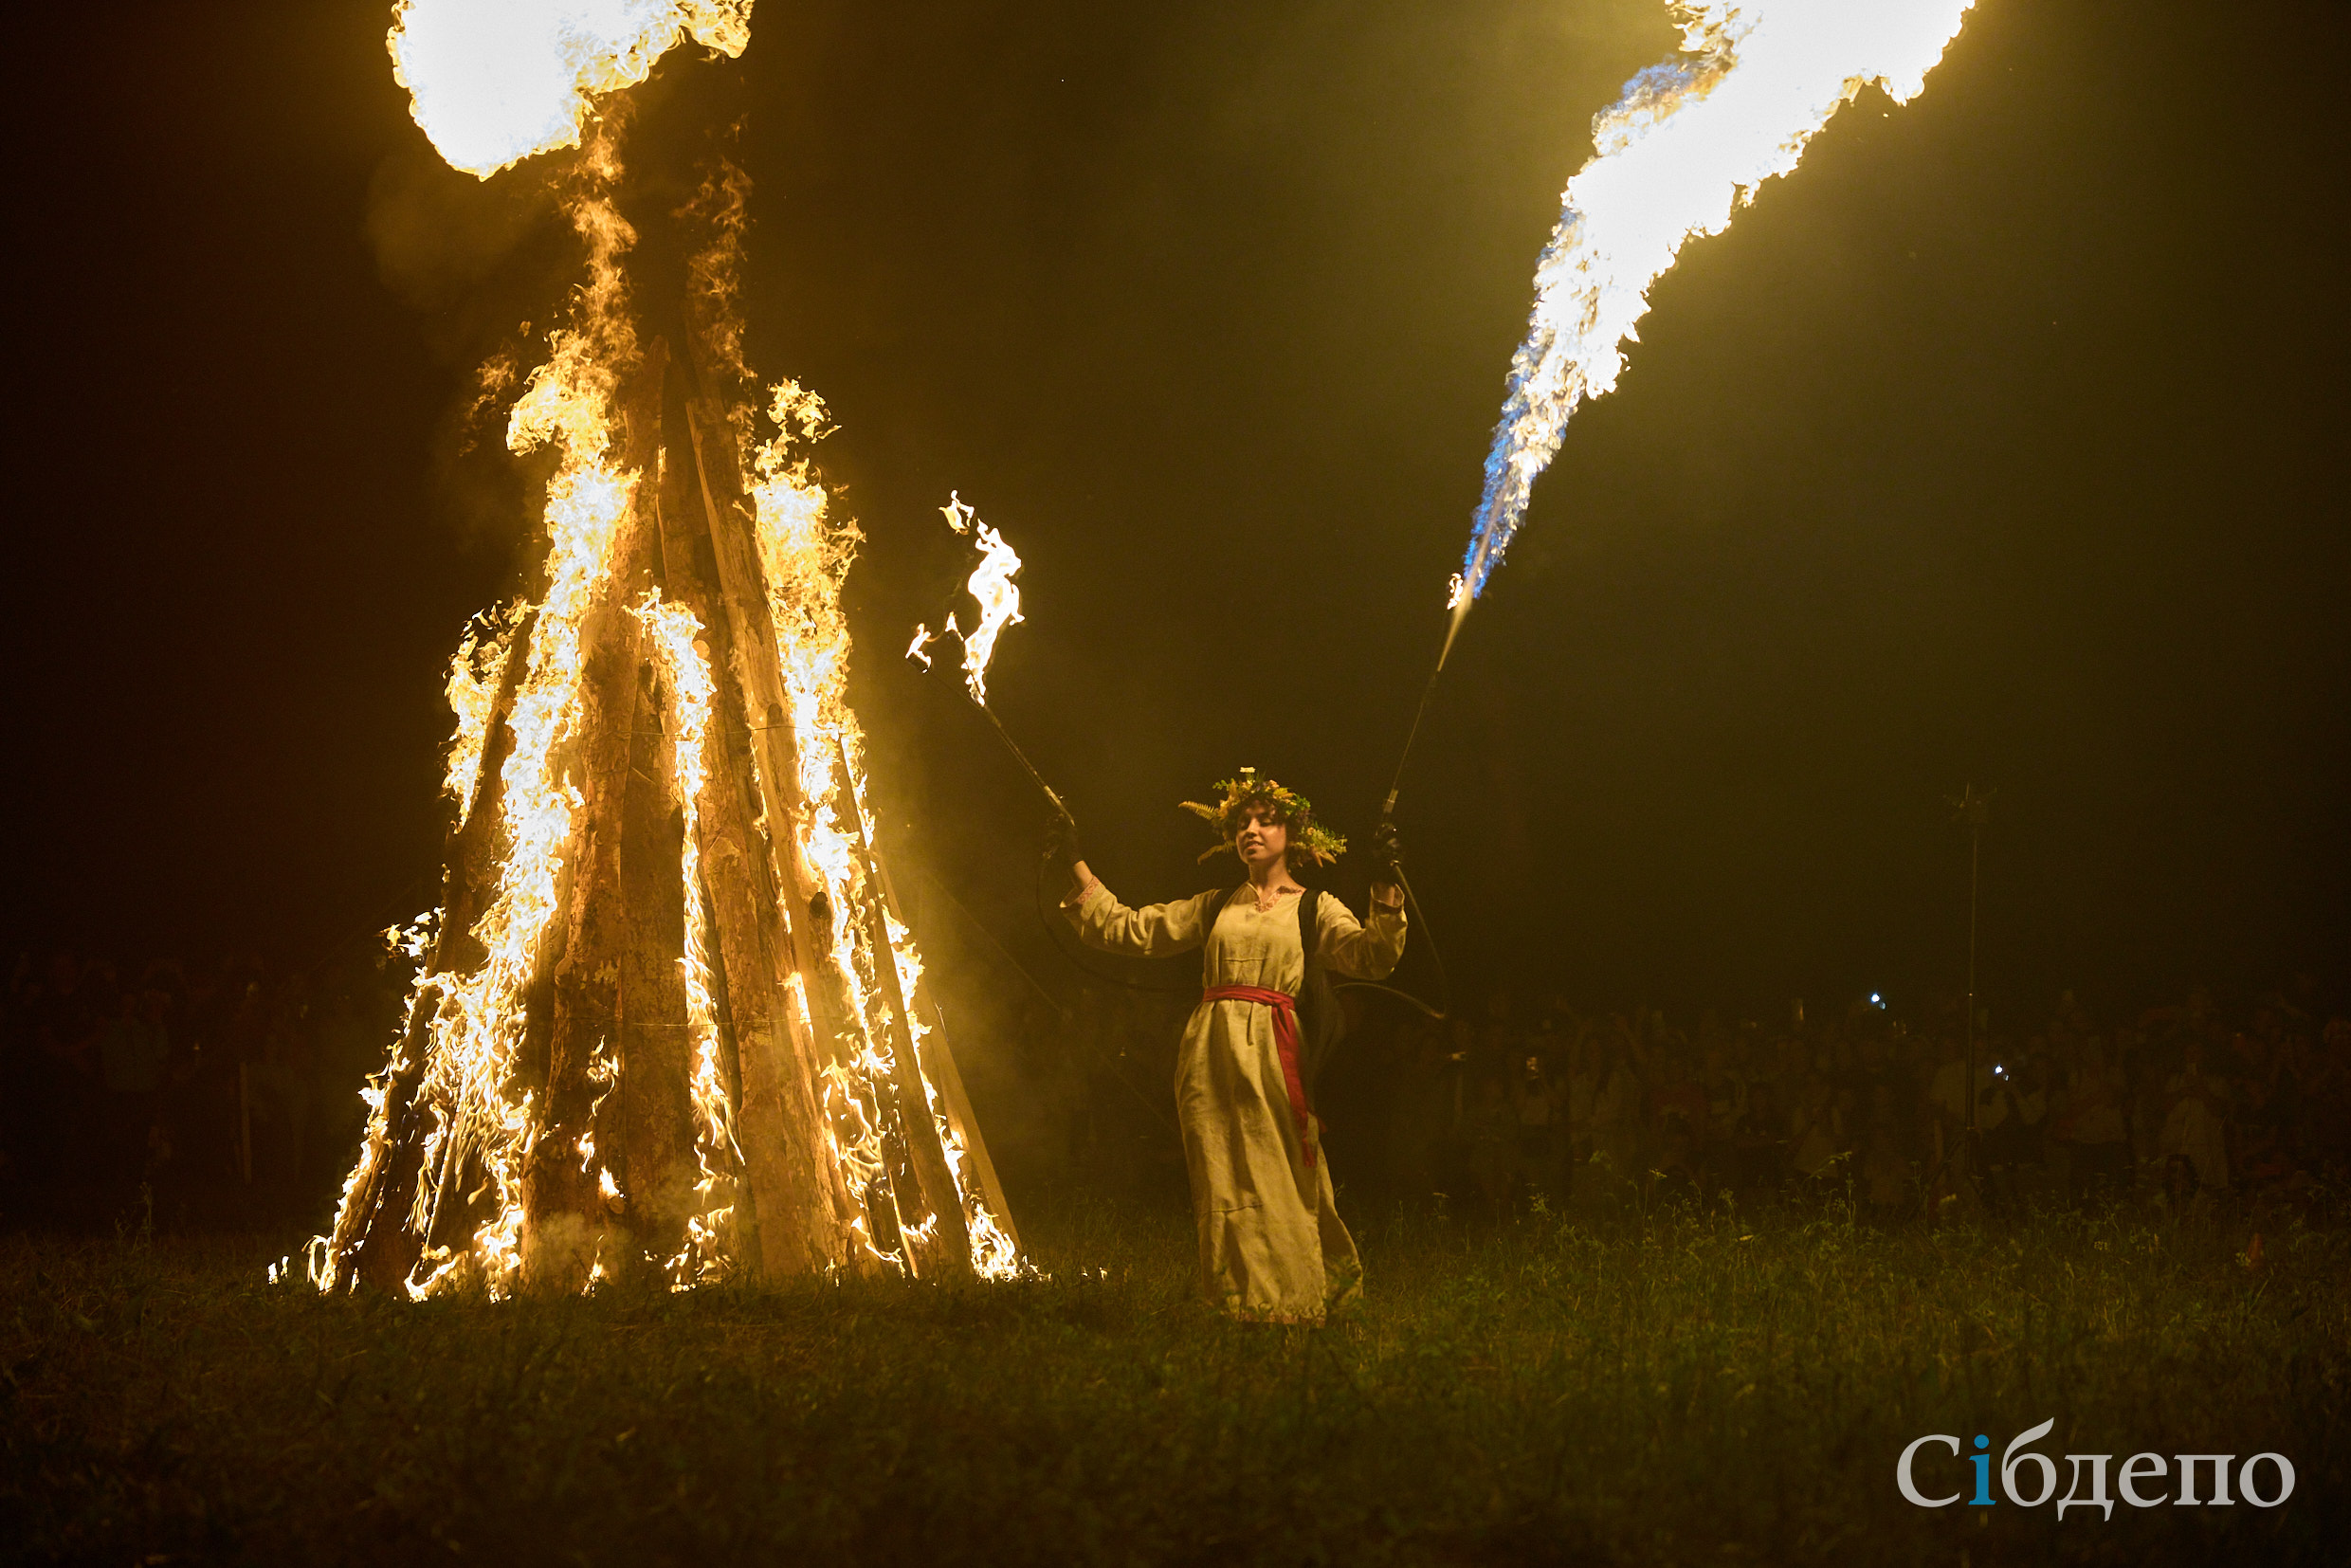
x,y
1670,1389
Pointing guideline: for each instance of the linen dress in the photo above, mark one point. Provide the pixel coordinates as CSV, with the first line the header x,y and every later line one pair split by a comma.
x,y
1271,1244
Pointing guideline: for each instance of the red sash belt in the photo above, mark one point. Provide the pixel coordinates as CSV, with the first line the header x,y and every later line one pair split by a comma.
x,y
1285,1036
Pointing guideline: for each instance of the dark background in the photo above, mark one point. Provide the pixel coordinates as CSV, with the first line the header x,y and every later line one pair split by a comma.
x,y
1999,444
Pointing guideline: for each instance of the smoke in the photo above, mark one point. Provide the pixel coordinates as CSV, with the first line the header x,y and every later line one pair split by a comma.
x,y
439,236
481,265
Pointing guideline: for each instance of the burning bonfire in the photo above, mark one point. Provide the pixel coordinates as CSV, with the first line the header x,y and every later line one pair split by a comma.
x,y
667,1017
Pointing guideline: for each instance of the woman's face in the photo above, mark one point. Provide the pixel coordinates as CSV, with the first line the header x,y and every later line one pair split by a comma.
x,y
1264,839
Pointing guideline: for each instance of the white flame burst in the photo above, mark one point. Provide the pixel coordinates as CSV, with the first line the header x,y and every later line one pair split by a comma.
x,y
992,585
1685,147
493,81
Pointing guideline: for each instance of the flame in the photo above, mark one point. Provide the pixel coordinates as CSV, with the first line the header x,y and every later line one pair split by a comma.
x,y
493,81
686,666
474,677
994,1254
992,585
806,558
1685,145
478,1122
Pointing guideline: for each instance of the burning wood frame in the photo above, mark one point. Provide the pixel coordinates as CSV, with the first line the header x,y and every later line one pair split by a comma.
x,y
667,1017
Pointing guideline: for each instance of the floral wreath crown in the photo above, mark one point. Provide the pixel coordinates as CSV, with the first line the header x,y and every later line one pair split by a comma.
x,y
1309,840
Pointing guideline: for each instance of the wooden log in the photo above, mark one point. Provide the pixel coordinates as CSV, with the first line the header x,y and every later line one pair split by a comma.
x,y
646,1131
373,1242
648,1127
951,1251
892,1195
564,1222
798,1202
899,1205
735,569
643,1124
939,1064
913,1138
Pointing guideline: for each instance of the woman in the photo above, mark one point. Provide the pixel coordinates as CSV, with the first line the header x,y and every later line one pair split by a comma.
x,y
1272,1249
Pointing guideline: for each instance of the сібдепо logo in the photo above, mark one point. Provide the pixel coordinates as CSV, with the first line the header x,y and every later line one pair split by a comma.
x,y
2028,1479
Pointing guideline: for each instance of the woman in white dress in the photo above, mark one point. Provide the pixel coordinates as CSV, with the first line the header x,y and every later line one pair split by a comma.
x,y
1272,1249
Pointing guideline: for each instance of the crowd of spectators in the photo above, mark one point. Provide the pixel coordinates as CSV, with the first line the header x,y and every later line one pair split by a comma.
x,y
2189,1102
1514,1103
224,1085
231,1087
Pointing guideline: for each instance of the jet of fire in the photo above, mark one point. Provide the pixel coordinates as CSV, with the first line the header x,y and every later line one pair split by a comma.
x,y
492,82
1685,145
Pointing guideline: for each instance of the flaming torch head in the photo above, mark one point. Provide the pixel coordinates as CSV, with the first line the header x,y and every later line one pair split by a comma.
x,y
992,585
1458,600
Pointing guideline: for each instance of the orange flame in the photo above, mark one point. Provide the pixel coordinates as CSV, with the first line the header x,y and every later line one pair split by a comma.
x,y
472,688
686,665
495,81
992,585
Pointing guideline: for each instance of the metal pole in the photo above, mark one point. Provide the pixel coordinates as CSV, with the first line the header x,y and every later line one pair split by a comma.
x,y
1019,755
1395,785
1975,858
1974,809
245,1121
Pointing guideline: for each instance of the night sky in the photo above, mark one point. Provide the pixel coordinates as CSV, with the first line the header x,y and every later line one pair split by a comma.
x,y
1999,444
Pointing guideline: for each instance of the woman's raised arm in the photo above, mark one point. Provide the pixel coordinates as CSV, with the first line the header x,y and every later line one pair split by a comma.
x,y
1152,932
1363,952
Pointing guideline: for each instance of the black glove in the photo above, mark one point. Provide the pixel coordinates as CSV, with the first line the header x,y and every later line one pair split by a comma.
x,y
1387,856
1061,845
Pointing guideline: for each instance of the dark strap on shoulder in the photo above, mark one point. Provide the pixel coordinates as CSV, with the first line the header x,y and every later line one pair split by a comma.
x,y
1321,1022
1216,912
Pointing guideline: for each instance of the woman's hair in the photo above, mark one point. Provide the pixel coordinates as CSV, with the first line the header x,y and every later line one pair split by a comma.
x,y
1309,842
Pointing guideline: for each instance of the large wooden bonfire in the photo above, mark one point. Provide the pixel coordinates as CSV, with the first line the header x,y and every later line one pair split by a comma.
x,y
667,1019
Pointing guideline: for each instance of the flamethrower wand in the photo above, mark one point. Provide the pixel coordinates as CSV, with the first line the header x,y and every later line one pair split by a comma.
x,y
1068,822
1026,766
1452,629
992,588
1387,817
